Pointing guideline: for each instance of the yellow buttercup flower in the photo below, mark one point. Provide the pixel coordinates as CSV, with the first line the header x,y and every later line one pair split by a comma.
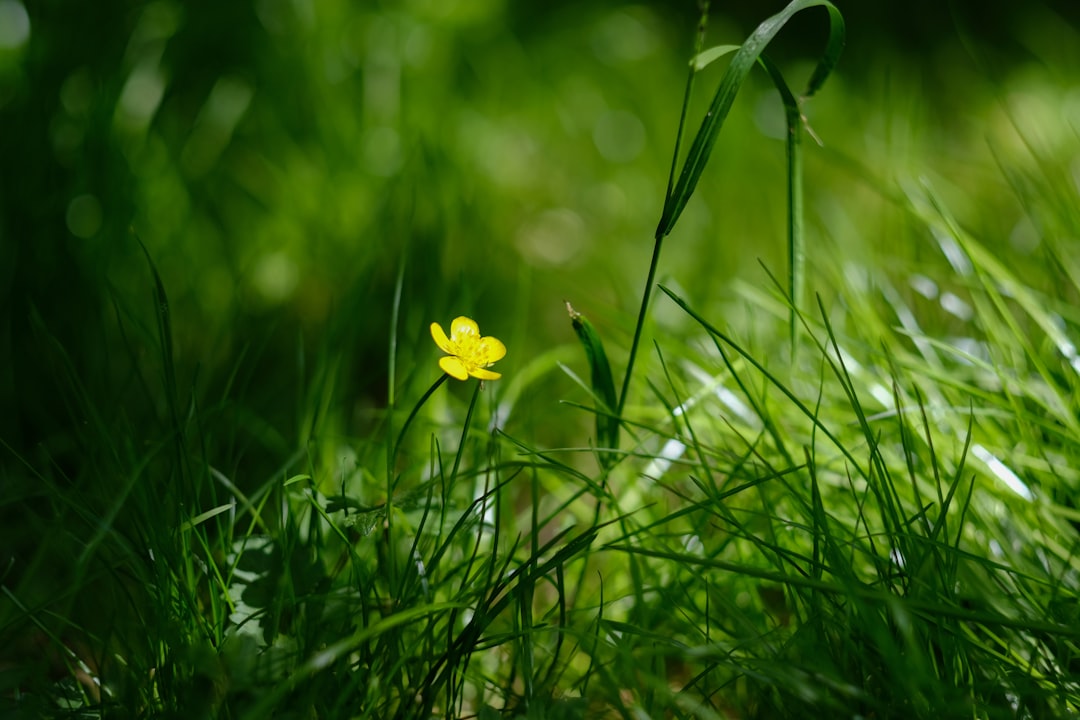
x,y
466,352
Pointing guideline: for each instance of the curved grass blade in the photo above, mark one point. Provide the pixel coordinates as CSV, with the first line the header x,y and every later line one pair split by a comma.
x,y
793,117
168,364
796,244
603,385
678,194
698,155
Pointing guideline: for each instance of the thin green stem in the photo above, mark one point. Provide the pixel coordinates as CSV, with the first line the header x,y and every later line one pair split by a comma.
x,y
796,243
408,420
640,322
699,43
391,401
395,312
464,428
391,461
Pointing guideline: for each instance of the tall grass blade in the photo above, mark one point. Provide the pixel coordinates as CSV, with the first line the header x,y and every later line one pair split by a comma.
x,y
701,148
603,385
697,157
165,337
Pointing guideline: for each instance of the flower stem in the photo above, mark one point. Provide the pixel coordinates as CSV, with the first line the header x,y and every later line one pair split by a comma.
x,y
408,420
465,430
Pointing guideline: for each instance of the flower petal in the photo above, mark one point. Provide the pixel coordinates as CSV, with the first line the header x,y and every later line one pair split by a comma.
x,y
489,350
441,340
482,374
464,329
453,367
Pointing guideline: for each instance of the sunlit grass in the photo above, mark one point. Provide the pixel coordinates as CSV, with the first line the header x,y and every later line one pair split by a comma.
x,y
855,502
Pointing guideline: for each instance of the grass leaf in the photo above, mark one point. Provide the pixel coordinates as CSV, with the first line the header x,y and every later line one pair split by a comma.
x,y
603,385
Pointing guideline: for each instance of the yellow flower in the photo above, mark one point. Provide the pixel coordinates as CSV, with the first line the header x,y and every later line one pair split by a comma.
x,y
466,352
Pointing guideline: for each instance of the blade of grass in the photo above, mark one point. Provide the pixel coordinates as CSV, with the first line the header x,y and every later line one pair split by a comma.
x,y
748,54
701,148
603,386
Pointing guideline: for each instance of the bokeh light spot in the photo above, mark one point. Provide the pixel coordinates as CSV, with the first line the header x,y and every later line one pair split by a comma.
x,y
77,93
1025,236
273,14
141,96
622,37
158,21
276,276
619,136
84,216
382,151
769,115
223,110
553,238
67,137
14,25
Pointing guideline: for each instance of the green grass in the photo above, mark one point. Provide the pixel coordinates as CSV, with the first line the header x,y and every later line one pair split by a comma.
x,y
859,502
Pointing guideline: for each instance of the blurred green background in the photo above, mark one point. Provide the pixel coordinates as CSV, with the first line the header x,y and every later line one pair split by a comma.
x,y
282,159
